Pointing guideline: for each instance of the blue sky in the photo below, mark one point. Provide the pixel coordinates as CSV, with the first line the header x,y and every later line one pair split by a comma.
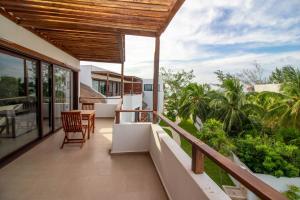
x,y
228,35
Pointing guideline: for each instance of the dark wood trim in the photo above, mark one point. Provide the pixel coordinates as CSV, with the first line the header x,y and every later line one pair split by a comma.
x,y
53,97
122,80
25,78
118,111
10,46
139,111
197,160
155,76
107,84
40,97
131,91
75,90
98,98
246,178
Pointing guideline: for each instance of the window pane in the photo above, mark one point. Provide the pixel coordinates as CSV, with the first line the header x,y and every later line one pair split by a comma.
x,y
147,87
31,72
103,87
47,98
62,82
18,103
11,76
96,85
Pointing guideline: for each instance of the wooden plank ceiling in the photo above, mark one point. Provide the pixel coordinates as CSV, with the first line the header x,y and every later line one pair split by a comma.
x,y
91,30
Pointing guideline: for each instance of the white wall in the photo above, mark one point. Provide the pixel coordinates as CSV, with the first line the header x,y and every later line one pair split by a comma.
x,y
105,110
172,163
19,35
131,137
148,95
131,102
85,75
267,87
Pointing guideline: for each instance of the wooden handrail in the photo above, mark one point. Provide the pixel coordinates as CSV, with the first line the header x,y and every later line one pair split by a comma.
x,y
118,111
100,98
139,111
250,181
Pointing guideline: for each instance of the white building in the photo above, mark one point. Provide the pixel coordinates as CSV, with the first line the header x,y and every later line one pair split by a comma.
x,y
267,87
148,94
138,93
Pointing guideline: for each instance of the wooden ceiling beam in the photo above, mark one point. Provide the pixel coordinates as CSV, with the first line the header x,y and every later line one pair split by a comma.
x,y
66,7
92,29
25,13
176,6
158,6
77,13
153,2
81,22
56,25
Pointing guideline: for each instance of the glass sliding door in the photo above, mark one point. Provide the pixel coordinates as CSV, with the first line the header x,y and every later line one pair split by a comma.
x,y
18,102
47,103
62,88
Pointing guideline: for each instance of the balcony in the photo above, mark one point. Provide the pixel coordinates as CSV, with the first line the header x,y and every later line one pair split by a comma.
x,y
47,172
122,160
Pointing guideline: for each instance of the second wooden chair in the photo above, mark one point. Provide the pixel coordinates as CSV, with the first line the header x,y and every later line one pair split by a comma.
x,y
72,123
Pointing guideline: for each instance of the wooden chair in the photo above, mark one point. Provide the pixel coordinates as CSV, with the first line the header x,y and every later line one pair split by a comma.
x,y
87,106
72,123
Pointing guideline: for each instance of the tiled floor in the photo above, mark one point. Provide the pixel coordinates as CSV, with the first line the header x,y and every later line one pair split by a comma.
x,y
48,172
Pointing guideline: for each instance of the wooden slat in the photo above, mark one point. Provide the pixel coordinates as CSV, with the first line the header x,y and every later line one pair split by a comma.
x,y
176,5
83,27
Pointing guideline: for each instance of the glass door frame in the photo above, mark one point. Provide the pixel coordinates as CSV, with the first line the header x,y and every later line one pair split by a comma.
x,y
42,98
74,96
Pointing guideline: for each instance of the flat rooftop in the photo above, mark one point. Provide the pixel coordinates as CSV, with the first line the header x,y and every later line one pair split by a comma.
x,y
48,172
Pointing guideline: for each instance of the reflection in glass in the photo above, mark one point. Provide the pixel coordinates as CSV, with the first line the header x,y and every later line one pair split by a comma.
x,y
95,85
62,82
47,97
18,103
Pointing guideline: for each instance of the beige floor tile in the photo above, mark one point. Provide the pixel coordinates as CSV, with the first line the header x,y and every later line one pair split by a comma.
x,y
48,172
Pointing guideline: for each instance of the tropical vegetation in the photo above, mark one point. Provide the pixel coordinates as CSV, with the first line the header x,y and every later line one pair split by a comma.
x,y
261,128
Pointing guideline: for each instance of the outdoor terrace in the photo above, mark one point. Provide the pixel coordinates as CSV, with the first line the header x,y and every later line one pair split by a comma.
x,y
48,172
83,30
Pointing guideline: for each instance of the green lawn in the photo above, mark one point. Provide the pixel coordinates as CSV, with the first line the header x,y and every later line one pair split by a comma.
x,y
169,132
213,171
163,123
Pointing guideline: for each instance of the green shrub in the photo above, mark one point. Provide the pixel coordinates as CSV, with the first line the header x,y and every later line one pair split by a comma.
x,y
213,135
292,193
288,136
264,155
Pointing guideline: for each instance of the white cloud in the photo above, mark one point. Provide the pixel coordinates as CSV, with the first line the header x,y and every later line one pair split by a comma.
x,y
200,24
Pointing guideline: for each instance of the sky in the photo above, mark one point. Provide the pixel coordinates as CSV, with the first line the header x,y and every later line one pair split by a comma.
x,y
228,35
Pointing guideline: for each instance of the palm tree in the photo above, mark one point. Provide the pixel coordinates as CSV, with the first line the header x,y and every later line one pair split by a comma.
x,y
286,111
228,105
195,101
